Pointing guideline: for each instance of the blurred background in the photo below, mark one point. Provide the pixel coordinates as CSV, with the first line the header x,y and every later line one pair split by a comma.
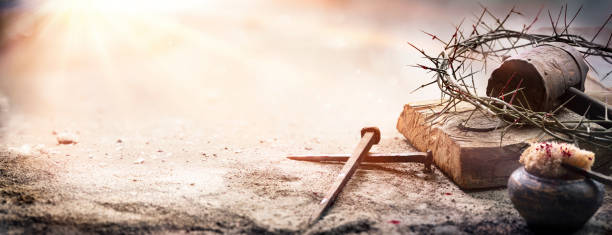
x,y
79,57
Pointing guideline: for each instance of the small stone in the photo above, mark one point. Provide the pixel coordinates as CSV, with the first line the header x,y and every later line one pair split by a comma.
x,y
139,161
308,148
119,141
66,138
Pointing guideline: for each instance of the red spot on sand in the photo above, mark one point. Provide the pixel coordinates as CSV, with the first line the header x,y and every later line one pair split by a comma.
x,y
394,221
448,194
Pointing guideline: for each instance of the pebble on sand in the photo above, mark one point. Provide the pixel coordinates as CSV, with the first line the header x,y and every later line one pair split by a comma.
x,y
66,138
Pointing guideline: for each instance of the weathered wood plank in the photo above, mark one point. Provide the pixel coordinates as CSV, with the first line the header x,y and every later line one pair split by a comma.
x,y
471,159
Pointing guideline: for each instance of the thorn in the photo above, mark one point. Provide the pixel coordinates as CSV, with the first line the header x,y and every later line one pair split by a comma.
x,y
501,93
559,16
425,67
433,37
536,18
601,28
420,50
552,23
606,76
516,12
422,86
516,90
565,18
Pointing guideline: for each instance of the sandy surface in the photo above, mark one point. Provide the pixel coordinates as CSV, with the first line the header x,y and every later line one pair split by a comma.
x,y
187,132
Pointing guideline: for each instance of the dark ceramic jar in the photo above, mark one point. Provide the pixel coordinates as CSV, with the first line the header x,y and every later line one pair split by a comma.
x,y
560,204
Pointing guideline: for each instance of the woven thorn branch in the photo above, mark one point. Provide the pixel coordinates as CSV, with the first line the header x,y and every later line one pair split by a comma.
x,y
491,40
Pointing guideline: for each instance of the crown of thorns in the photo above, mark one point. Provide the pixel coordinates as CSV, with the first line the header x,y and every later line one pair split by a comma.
x,y
490,39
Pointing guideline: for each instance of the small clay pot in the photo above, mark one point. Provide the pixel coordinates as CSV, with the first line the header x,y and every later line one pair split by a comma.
x,y
555,204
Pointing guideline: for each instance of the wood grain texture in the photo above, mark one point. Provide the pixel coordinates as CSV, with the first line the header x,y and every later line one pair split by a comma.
x,y
471,159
